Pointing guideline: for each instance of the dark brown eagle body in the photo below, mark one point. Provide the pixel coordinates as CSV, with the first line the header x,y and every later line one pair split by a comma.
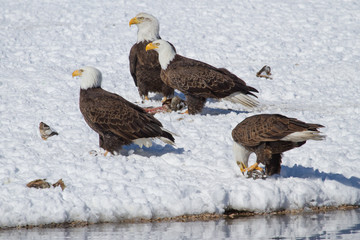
x,y
199,80
145,70
117,121
269,135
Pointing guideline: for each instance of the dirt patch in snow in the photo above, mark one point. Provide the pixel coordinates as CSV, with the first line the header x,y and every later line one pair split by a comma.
x,y
228,214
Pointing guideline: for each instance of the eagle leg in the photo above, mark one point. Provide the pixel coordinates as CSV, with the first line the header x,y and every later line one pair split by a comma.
x,y
242,166
146,97
195,104
164,99
96,152
253,167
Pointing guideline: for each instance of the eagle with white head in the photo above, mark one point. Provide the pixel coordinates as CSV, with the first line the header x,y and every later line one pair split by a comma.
x,y
268,136
117,121
144,66
199,80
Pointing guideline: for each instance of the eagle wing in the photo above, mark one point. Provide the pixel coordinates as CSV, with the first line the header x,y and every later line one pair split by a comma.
x,y
200,79
133,62
268,128
108,112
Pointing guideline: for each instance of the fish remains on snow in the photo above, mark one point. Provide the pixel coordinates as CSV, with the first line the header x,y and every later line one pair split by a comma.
x,y
117,121
198,80
144,66
268,136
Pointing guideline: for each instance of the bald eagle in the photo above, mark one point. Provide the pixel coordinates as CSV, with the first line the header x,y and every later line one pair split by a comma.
x,y
117,121
144,66
268,136
198,80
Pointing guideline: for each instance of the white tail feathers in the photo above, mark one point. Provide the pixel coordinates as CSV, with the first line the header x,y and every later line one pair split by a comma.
x,y
143,142
166,140
242,98
172,133
304,136
147,142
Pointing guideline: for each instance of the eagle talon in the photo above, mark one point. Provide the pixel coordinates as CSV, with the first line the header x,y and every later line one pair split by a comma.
x,y
98,152
253,171
254,167
260,169
256,174
242,167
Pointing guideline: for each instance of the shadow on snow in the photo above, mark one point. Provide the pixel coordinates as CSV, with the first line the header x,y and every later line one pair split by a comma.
x,y
212,111
219,111
155,150
308,172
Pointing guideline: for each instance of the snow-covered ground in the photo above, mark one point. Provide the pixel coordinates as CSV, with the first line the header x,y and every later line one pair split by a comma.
x,y
313,48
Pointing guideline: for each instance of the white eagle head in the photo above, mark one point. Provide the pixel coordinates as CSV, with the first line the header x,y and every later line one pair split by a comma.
x,y
90,77
165,50
148,27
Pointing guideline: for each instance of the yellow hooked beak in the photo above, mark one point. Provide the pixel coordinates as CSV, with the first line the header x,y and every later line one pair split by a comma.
x,y
133,21
77,73
150,46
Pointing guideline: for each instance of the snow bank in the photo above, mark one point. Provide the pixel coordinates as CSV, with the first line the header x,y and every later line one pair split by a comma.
x,y
314,53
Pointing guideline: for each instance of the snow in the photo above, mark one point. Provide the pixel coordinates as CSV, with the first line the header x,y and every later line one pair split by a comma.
x,y
312,47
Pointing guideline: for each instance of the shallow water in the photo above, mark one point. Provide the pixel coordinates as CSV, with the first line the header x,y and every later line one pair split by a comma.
x,y
330,225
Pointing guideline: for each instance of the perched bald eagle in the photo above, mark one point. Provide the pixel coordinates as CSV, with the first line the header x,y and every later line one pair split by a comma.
x,y
198,80
144,66
268,136
117,121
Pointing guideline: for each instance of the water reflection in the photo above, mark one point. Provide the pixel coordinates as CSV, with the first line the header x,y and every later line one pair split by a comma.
x,y
330,225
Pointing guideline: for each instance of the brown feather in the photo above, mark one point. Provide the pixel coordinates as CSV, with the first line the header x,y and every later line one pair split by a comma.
x,y
117,121
145,70
268,127
200,80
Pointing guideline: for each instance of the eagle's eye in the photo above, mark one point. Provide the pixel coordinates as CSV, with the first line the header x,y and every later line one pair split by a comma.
x,y
157,44
141,18
81,70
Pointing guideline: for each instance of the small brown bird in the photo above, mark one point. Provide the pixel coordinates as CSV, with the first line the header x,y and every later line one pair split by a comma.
x,y
264,72
38,183
46,131
268,136
41,183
